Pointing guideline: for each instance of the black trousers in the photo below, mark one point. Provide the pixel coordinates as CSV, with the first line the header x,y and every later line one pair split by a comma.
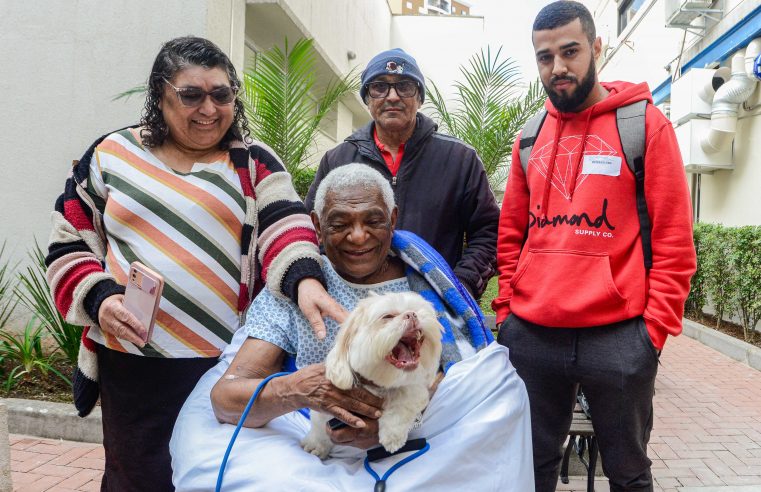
x,y
140,399
616,365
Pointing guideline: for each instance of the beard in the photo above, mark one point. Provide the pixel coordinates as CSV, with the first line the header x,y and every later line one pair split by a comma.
x,y
568,103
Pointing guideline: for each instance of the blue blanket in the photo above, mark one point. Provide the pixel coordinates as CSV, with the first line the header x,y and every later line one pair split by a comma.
x,y
430,276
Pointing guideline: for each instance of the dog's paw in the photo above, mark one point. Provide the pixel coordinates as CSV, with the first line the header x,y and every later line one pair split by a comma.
x,y
316,447
392,441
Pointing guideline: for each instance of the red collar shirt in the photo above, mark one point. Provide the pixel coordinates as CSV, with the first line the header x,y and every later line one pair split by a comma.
x,y
393,165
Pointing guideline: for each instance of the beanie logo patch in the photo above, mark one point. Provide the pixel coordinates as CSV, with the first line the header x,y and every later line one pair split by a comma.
x,y
393,67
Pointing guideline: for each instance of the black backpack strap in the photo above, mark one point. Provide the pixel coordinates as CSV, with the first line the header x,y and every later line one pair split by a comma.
x,y
528,137
631,130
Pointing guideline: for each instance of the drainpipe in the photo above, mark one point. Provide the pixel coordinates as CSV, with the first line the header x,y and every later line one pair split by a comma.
x,y
726,103
751,54
720,77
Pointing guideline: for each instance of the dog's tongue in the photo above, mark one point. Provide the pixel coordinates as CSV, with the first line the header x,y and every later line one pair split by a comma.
x,y
402,353
406,354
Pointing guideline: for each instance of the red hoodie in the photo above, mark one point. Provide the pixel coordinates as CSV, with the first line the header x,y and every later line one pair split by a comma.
x,y
582,263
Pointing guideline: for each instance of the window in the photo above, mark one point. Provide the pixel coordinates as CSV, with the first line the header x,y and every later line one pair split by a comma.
x,y
409,5
627,9
442,6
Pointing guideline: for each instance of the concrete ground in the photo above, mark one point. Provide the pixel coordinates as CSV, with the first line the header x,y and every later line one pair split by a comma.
x,y
706,435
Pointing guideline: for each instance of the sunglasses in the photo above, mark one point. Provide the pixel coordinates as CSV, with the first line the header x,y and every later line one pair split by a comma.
x,y
192,97
404,88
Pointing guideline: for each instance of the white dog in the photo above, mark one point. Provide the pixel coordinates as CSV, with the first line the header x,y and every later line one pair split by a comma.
x,y
391,345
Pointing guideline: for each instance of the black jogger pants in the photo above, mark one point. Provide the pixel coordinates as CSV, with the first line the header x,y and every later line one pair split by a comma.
x,y
616,365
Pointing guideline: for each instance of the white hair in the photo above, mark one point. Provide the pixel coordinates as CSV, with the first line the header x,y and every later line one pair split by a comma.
x,y
352,176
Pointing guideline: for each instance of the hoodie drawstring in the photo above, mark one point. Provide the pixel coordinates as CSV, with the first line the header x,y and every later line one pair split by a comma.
x,y
551,165
553,155
580,156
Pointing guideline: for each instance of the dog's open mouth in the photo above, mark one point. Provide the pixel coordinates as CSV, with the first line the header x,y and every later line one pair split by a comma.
x,y
406,354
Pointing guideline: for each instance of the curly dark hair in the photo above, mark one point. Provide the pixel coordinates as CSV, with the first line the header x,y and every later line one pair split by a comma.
x,y
175,55
558,14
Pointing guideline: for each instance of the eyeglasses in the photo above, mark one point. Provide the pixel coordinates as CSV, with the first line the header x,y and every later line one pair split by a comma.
x,y
192,97
403,88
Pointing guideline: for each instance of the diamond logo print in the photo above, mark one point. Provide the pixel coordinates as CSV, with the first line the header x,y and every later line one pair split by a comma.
x,y
568,148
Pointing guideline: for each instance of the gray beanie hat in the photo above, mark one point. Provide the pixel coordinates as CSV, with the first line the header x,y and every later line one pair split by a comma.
x,y
392,62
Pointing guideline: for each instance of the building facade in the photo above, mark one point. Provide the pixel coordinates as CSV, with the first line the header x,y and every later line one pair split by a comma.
x,y
676,46
429,7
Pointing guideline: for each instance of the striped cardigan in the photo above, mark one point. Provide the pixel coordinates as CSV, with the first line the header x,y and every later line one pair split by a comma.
x,y
278,245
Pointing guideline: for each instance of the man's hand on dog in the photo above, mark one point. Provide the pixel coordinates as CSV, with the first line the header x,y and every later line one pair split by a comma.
x,y
316,392
363,438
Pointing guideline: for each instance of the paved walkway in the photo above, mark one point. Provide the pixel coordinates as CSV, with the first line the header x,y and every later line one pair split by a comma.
x,y
47,464
706,435
707,429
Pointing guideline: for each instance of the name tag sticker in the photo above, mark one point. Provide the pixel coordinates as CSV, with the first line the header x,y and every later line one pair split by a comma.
x,y
607,165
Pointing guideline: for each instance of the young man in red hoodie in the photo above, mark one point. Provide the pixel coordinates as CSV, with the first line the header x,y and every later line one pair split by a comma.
x,y
576,303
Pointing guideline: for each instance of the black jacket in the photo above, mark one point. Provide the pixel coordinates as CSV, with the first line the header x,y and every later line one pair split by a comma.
x,y
442,193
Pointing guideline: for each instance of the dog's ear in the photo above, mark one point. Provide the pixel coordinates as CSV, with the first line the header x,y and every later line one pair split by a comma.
x,y
337,366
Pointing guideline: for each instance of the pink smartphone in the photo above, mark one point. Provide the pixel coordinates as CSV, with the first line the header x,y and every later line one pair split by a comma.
x,y
143,293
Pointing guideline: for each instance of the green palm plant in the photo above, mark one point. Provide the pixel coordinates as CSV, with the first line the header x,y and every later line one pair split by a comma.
x,y
34,293
8,301
488,110
24,353
283,106
138,90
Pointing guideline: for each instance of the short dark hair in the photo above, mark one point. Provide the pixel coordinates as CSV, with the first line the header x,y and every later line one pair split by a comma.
x,y
563,12
175,55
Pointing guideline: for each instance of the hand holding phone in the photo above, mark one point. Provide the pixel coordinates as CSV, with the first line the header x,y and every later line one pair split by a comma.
x,y
143,294
335,424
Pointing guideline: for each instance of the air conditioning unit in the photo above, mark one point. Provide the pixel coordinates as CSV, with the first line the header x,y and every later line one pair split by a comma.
x,y
680,13
688,135
685,101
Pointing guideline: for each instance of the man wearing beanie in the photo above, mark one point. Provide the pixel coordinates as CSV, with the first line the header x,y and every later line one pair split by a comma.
x,y
439,182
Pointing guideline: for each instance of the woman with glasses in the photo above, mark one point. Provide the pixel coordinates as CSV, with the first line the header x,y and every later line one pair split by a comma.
x,y
188,194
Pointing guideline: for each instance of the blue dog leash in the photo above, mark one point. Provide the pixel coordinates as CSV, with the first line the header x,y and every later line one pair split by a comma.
x,y
379,453
380,482
243,418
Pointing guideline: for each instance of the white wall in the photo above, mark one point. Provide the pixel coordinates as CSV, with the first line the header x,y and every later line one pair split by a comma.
x,y
644,48
63,62
733,198
364,28
338,26
226,25
642,51
440,44
510,26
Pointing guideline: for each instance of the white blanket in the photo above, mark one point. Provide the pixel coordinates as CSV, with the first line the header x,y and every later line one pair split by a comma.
x,y
477,424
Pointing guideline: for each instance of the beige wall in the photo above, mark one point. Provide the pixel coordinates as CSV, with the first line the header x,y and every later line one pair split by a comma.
x,y
63,62
460,8
642,51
